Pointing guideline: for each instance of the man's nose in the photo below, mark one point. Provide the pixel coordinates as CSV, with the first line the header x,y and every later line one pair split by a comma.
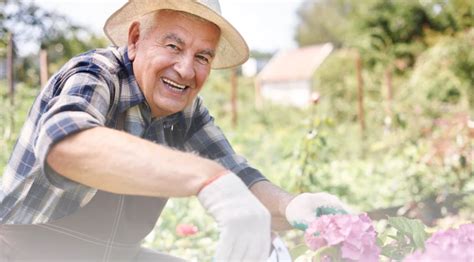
x,y
185,66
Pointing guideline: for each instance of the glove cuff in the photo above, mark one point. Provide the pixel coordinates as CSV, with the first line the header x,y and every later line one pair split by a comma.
x,y
212,179
222,189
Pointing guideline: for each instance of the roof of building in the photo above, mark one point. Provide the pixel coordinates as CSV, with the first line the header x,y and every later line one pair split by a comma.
x,y
296,64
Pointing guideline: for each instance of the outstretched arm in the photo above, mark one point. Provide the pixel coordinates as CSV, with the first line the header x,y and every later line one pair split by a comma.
x,y
275,200
118,162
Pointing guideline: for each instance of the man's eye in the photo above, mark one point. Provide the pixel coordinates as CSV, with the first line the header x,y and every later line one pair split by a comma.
x,y
203,59
173,47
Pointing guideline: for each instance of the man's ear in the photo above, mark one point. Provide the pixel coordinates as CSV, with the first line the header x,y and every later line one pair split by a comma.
x,y
133,37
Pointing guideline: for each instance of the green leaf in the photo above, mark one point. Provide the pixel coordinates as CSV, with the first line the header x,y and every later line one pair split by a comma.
x,y
380,241
320,211
393,252
413,228
298,251
402,238
331,251
300,226
389,251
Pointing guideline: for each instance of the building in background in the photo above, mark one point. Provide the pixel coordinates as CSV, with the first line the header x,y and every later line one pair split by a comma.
x,y
288,77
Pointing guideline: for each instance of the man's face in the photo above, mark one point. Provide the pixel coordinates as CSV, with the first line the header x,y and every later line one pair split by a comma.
x,y
172,62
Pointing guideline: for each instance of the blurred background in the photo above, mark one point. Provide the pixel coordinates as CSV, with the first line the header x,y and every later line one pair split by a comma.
x,y
370,100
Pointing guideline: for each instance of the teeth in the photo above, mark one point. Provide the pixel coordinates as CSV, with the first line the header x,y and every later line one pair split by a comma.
x,y
174,84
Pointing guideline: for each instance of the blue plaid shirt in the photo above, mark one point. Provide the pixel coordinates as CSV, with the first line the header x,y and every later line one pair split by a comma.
x,y
97,88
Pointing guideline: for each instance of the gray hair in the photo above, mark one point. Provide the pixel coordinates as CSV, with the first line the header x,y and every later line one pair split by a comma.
x,y
148,21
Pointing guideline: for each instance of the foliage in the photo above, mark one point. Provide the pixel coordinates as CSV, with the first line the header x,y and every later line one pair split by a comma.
x,y
12,117
59,51
444,73
324,21
36,28
387,32
257,130
420,139
409,235
196,247
30,23
395,29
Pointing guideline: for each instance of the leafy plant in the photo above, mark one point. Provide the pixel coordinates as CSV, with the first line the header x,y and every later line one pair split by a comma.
x,y
353,238
409,235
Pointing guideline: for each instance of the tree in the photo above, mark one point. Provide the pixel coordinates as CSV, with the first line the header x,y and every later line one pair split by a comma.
x,y
324,21
386,29
37,28
28,22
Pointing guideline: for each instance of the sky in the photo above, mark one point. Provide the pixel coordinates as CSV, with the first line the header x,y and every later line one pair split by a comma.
x,y
267,25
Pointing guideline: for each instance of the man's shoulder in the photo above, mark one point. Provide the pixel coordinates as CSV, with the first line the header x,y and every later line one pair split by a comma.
x,y
109,59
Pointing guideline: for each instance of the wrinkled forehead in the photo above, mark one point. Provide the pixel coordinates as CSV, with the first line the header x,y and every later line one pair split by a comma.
x,y
153,17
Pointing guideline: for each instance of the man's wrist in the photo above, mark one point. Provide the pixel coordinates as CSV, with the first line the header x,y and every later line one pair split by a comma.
x,y
284,201
213,178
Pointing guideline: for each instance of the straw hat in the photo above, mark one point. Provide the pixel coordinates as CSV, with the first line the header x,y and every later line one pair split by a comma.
x,y
231,51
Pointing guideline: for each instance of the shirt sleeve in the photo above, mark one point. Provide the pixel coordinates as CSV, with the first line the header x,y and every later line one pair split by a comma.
x,y
208,140
79,102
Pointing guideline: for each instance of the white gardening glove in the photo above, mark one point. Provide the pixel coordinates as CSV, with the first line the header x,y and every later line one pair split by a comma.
x,y
244,223
306,207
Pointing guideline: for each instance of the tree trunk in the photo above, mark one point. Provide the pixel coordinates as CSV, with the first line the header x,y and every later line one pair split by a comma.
x,y
43,67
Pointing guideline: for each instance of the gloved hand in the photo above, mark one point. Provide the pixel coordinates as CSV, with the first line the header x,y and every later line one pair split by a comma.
x,y
306,207
244,223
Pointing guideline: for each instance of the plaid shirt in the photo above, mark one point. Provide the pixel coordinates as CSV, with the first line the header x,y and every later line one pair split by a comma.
x,y
97,88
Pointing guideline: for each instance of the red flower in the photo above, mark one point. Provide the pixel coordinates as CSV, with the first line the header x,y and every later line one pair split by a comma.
x,y
185,230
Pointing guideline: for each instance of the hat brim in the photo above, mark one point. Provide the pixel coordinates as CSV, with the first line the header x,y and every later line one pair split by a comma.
x,y
232,49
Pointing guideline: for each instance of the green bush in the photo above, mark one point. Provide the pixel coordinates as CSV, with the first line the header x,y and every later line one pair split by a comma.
x,y
444,74
12,117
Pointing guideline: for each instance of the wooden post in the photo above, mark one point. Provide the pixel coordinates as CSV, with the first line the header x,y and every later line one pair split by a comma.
x,y
44,75
360,92
10,76
258,93
233,99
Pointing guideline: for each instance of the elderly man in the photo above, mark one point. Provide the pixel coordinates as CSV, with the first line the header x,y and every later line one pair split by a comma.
x,y
118,131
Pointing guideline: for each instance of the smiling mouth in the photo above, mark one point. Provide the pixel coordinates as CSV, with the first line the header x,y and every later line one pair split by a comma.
x,y
174,86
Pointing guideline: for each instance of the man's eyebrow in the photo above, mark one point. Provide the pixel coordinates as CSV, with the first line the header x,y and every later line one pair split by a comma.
x,y
174,37
209,52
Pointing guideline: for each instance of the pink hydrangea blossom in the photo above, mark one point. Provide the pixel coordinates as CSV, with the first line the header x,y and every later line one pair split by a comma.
x,y
353,234
450,245
185,230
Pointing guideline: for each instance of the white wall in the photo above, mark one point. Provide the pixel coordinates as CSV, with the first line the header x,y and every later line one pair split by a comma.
x,y
295,93
249,68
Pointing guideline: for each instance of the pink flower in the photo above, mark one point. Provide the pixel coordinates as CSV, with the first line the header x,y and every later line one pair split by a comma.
x,y
450,245
353,234
185,230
